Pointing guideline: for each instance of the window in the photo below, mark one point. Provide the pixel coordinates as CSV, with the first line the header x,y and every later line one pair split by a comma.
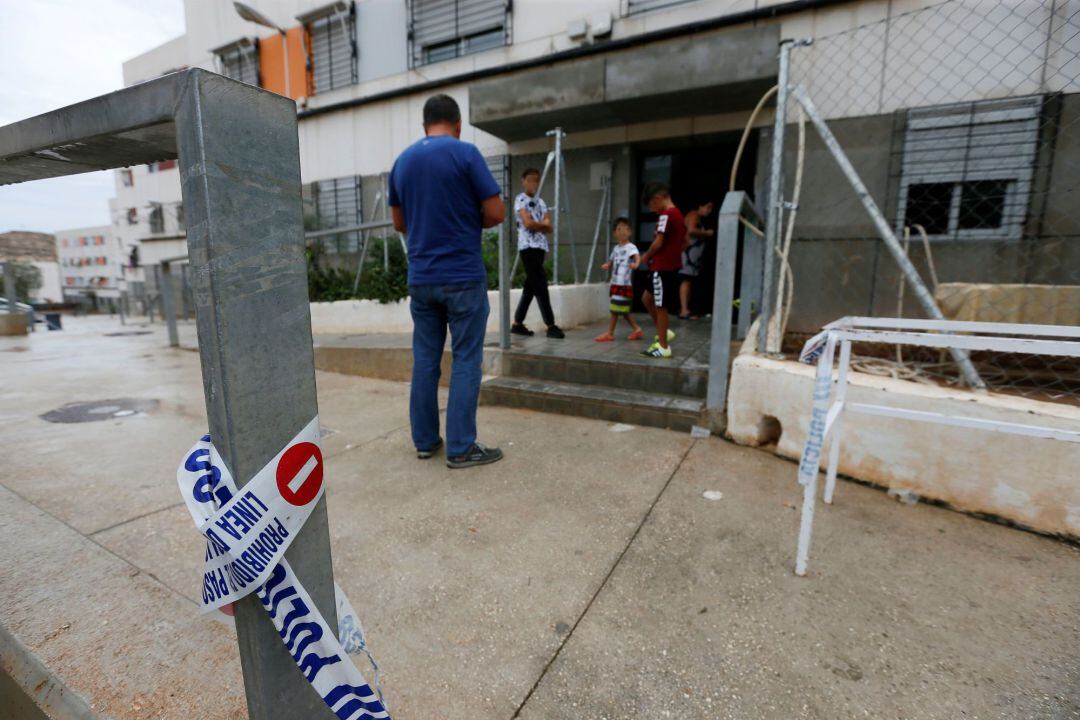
x,y
65,242
967,168
339,204
499,165
126,178
157,218
332,35
166,165
444,29
240,61
181,223
637,6
132,216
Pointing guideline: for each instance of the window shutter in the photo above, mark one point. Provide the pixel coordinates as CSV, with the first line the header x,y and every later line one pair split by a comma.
x,y
444,29
339,204
982,153
636,6
333,60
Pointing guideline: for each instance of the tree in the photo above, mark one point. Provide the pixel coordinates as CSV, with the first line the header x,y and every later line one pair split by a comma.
x,y
27,279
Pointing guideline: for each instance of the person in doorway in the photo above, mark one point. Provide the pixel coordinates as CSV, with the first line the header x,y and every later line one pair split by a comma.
x,y
533,224
696,235
664,259
623,261
442,196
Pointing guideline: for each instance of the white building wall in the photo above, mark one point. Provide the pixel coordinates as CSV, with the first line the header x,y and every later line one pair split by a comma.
x,y
90,259
865,61
50,290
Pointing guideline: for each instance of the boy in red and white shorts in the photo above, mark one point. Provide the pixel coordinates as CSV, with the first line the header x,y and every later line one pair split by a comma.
x,y
664,259
624,260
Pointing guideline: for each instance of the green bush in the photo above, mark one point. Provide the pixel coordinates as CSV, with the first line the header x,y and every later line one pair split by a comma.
x,y
326,284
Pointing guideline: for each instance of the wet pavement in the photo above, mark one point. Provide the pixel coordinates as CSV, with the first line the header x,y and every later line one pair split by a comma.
x,y
588,575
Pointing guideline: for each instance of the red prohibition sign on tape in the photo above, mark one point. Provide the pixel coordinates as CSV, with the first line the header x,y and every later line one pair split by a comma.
x,y
300,473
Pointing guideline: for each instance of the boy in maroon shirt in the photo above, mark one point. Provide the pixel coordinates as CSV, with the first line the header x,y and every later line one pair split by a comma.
x,y
664,259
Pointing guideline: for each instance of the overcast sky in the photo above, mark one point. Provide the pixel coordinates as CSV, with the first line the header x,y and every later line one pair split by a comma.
x,y
57,52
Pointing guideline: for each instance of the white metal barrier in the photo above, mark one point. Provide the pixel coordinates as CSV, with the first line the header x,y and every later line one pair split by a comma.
x,y
827,417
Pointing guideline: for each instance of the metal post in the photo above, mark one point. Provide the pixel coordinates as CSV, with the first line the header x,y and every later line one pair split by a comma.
x,y
557,132
569,223
728,228
971,376
775,210
596,233
9,285
385,239
251,307
168,304
505,235
838,424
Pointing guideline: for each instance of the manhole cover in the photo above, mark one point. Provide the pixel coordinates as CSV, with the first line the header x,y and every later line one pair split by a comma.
x,y
122,333
99,410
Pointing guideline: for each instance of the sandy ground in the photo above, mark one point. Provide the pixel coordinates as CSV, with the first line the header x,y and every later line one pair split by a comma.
x,y
586,576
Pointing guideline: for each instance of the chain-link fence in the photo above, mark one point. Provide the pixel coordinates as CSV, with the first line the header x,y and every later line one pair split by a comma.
x,y
962,119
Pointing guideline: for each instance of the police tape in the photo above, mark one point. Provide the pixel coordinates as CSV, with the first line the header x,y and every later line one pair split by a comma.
x,y
247,532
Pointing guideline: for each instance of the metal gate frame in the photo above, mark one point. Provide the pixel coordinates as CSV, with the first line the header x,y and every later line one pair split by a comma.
x,y
239,160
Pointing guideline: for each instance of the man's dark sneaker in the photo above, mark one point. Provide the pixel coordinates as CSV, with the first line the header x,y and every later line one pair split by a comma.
x,y
425,454
554,331
477,455
519,329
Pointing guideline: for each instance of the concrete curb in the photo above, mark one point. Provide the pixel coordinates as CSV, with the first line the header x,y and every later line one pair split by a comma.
x,y
55,699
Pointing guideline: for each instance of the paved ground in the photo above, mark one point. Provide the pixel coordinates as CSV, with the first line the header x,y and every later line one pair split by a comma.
x,y
584,577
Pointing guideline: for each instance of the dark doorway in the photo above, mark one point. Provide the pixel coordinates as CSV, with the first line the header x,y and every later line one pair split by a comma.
x,y
698,171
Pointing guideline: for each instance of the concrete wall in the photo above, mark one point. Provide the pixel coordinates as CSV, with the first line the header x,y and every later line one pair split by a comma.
x,y
1025,480
573,305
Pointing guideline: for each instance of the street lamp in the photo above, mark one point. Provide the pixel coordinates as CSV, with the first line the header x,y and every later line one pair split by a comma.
x,y
252,15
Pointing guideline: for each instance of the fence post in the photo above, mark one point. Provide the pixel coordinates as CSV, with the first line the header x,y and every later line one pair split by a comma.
x,y
9,286
774,212
727,244
505,235
240,174
168,306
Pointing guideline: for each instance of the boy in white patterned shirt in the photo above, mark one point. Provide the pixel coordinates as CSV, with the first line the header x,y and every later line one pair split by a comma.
x,y
623,261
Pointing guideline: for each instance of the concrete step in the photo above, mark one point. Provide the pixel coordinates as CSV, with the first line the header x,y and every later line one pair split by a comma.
x,y
661,410
639,375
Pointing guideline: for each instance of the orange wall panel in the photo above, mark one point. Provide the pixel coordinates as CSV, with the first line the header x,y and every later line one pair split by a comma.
x,y
272,63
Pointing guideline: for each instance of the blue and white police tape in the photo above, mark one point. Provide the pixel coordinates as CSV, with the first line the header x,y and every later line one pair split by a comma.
x,y
247,533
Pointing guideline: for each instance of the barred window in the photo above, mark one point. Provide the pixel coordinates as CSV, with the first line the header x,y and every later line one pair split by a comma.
x,y
240,61
157,218
499,165
638,6
333,51
339,203
445,29
967,168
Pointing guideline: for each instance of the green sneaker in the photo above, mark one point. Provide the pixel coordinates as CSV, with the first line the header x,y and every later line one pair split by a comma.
x,y
670,337
658,352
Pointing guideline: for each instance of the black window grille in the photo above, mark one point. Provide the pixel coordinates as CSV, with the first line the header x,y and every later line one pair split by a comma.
x,y
333,60
967,168
157,218
240,61
339,203
445,29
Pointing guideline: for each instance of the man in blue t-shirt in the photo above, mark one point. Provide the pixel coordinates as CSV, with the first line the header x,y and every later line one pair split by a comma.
x,y
442,196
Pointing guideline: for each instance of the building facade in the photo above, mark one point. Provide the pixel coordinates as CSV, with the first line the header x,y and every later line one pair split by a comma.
x,y
93,263
661,90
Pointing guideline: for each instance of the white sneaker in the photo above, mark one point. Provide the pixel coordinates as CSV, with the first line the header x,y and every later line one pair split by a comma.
x,y
658,352
670,336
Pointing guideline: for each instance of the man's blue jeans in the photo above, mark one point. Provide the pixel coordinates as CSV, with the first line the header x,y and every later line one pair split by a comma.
x,y
464,309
